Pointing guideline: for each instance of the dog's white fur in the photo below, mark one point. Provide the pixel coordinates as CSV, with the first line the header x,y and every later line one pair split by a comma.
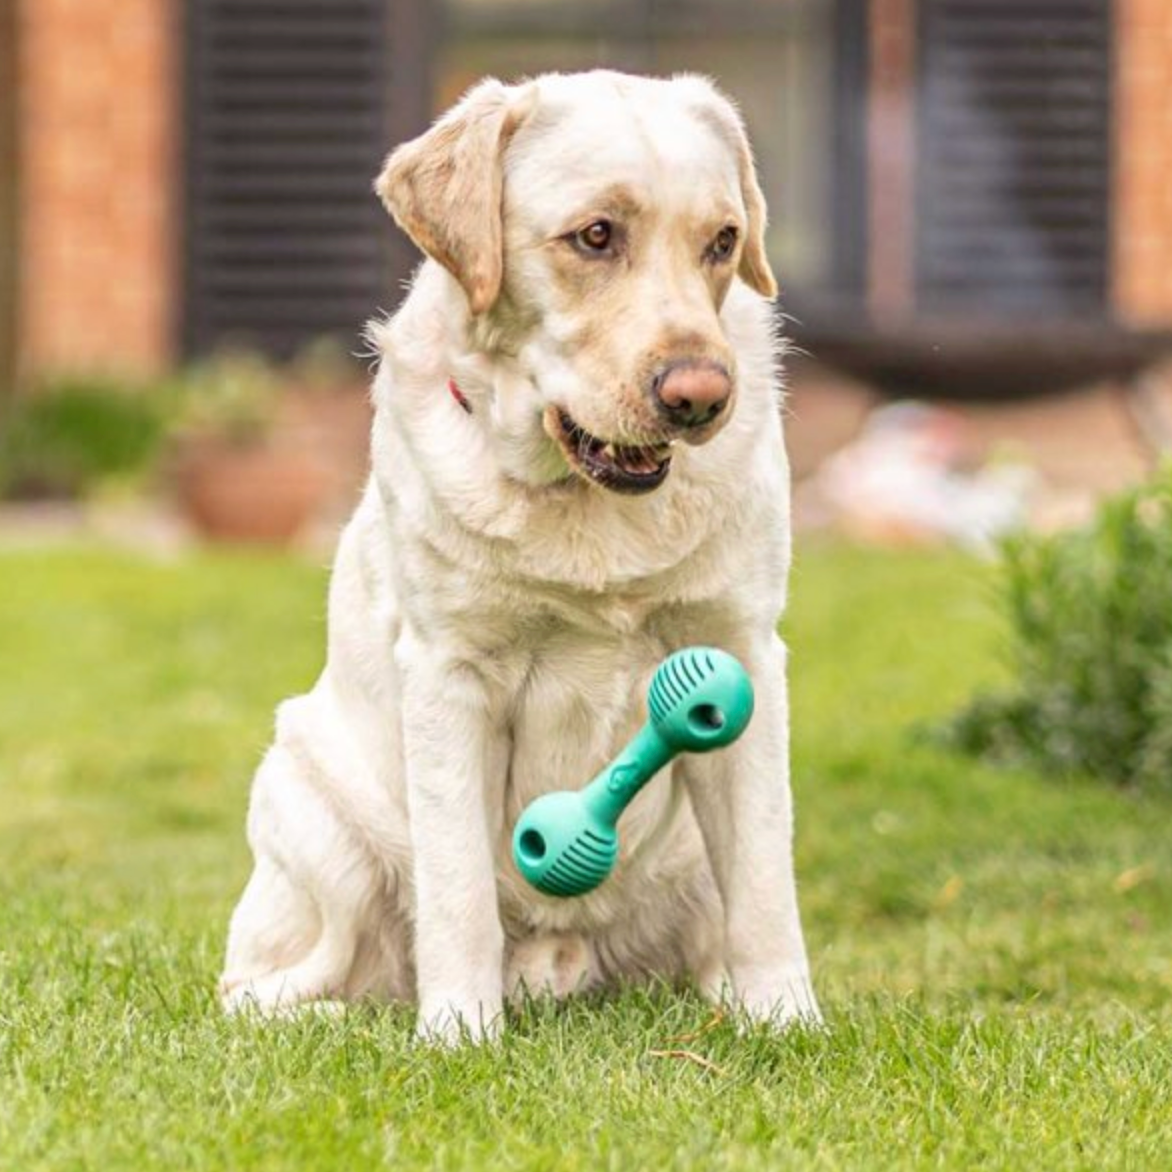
x,y
494,619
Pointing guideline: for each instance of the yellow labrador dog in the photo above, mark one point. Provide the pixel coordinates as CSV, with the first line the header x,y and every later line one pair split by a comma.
x,y
578,467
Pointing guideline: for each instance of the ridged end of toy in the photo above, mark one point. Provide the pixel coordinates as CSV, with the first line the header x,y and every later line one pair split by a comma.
x,y
580,867
700,698
677,678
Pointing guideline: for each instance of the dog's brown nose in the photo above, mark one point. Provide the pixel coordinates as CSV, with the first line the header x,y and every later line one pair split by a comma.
x,y
691,394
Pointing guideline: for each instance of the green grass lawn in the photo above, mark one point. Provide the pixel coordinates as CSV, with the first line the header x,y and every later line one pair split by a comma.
x,y
994,950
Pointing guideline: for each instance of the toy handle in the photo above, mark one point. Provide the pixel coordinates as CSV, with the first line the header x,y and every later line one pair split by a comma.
x,y
699,699
609,794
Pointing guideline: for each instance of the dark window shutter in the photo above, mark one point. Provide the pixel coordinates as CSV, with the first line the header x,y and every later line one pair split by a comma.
x,y
287,122
1013,158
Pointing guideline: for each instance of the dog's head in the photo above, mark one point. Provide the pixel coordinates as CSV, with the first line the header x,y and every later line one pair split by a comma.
x,y
595,223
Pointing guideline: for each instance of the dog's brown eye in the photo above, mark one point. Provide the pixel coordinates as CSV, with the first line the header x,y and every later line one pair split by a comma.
x,y
722,247
595,237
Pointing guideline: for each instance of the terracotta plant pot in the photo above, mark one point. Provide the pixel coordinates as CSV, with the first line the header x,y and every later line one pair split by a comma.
x,y
262,491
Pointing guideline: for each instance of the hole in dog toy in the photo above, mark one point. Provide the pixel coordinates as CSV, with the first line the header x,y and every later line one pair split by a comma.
x,y
706,718
532,845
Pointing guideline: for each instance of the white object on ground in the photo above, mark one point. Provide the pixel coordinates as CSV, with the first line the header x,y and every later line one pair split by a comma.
x,y
905,478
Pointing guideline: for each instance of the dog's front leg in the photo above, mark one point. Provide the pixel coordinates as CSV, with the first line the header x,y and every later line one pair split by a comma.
x,y
459,942
742,801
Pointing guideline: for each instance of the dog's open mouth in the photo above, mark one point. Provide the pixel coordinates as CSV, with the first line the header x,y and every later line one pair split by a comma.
x,y
619,467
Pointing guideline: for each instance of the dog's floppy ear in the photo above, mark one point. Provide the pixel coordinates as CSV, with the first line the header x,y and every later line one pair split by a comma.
x,y
444,188
722,116
754,268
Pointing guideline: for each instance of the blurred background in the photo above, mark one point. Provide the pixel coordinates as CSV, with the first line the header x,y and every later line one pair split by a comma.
x,y
971,222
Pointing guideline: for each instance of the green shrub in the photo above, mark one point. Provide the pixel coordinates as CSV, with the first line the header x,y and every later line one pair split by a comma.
x,y
60,441
1090,618
234,395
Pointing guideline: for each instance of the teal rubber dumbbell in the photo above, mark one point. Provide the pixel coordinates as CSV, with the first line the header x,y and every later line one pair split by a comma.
x,y
566,843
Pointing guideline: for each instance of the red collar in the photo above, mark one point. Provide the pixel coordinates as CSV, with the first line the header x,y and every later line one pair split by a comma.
x,y
459,395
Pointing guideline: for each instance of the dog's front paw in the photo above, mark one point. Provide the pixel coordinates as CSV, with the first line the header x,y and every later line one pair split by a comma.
x,y
779,999
453,1021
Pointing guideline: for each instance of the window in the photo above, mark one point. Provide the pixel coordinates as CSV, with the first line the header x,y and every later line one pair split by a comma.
x,y
291,106
1013,158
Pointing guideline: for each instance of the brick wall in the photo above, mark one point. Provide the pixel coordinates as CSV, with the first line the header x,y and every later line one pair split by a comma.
x,y
1142,242
97,98
9,237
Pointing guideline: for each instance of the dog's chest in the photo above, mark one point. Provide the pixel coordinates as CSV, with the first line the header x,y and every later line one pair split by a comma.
x,y
581,698
582,663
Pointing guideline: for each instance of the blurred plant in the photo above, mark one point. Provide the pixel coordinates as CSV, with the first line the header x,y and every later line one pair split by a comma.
x,y
62,439
1090,615
232,397
324,365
